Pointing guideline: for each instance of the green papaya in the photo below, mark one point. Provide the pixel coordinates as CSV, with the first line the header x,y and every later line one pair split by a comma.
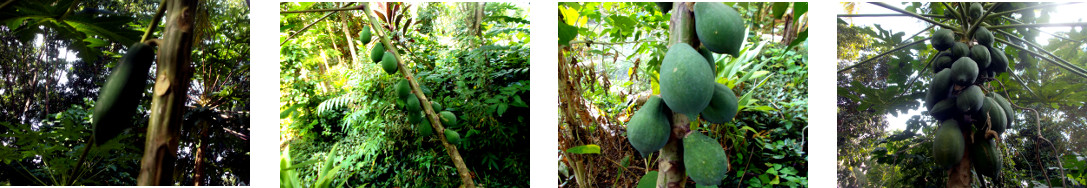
x,y
986,157
377,53
425,129
448,119
1009,113
119,97
940,88
415,117
991,110
959,50
704,159
970,100
452,136
435,105
722,107
413,103
944,109
664,6
964,71
943,39
948,144
403,88
1000,62
388,62
976,11
709,59
686,82
980,55
648,130
719,27
943,61
364,35
983,36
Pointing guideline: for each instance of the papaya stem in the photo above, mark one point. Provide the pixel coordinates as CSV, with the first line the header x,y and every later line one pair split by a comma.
x,y
154,21
918,16
883,54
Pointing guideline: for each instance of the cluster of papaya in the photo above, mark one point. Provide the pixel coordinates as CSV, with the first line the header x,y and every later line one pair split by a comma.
x,y
119,97
688,86
970,117
412,105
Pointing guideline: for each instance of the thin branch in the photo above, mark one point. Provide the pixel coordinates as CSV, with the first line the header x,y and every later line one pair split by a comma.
x,y
1016,21
305,28
1062,62
887,15
345,8
882,54
1029,8
1059,64
154,21
6,3
896,9
1071,24
612,43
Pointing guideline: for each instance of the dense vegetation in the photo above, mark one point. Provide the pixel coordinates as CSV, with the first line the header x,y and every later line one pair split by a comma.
x,y
343,120
612,60
885,73
55,59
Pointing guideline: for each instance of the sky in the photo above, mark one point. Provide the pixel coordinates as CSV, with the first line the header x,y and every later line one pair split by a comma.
x,y
910,25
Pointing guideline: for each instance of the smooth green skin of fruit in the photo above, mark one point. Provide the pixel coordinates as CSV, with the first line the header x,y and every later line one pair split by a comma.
x,y
425,129
722,107
943,39
388,62
719,27
944,109
980,55
959,50
948,144
448,119
996,116
940,87
964,71
415,117
686,82
706,162
435,105
986,157
377,53
648,129
118,99
984,37
970,100
1000,62
944,61
664,6
452,136
709,59
364,35
413,103
976,10
403,88
1009,113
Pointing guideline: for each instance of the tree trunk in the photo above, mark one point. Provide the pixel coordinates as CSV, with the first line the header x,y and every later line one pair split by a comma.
x,y
671,171
350,41
462,169
198,170
168,99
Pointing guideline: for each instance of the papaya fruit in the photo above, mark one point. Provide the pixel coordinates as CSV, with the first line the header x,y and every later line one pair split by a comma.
x,y
121,94
1000,62
648,129
388,62
452,136
365,35
959,50
948,144
709,59
377,53
940,88
704,159
944,109
722,107
980,55
992,111
415,117
970,100
448,119
943,61
983,36
664,6
1009,113
424,129
719,27
942,39
413,103
686,82
435,105
403,88
986,157
976,10
964,71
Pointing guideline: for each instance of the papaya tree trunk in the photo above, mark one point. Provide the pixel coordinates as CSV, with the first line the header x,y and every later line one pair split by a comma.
x,y
458,161
169,94
671,171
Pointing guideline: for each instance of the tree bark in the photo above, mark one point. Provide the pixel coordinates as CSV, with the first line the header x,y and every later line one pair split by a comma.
x,y
350,41
672,173
168,99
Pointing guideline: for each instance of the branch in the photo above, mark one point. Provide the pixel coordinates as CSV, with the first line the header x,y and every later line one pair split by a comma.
x,y
887,15
1016,21
154,21
1062,63
304,29
970,32
1030,7
589,42
896,9
344,8
882,54
1071,24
